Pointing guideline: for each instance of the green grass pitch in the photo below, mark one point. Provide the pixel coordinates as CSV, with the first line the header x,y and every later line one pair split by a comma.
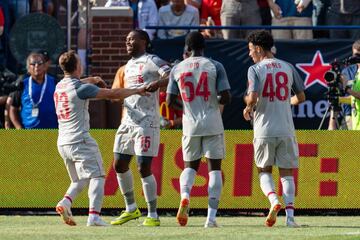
x,y
51,228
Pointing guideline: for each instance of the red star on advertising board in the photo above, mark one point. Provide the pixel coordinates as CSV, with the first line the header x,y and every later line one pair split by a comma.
x,y
315,70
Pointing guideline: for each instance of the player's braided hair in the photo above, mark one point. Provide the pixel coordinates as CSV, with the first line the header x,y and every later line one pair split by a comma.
x,y
195,41
144,36
261,38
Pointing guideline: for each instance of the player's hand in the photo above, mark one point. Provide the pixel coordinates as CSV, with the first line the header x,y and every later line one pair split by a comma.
x,y
248,113
98,81
142,91
152,87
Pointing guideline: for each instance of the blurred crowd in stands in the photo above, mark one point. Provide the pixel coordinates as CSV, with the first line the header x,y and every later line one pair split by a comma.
x,y
194,13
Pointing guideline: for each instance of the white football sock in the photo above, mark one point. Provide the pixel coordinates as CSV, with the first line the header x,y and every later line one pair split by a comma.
x,y
96,194
126,185
268,188
288,186
150,194
214,189
187,179
74,189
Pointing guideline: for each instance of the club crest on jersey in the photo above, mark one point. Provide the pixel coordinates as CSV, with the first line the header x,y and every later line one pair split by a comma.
x,y
315,70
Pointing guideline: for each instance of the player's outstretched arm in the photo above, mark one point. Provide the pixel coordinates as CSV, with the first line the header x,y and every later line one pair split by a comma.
x,y
98,81
298,98
120,93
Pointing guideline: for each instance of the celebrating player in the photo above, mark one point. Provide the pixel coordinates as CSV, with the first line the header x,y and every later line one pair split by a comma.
x,y
139,131
78,149
270,82
199,80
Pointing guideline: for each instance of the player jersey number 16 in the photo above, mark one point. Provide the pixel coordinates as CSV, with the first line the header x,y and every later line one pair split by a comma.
x,y
280,90
188,90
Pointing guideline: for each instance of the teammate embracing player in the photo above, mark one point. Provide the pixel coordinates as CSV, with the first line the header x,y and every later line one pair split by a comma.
x,y
78,149
199,81
268,103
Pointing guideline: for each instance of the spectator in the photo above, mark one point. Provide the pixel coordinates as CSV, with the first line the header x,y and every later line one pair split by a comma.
x,y
194,3
2,24
239,12
44,6
264,12
177,14
83,27
344,12
289,13
210,16
145,13
161,3
33,106
2,21
351,74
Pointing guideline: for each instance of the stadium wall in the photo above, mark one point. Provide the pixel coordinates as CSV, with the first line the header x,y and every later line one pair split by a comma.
x,y
32,174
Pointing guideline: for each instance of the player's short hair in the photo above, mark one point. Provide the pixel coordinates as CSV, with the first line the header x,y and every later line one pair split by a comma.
x,y
356,45
68,61
195,41
144,36
261,38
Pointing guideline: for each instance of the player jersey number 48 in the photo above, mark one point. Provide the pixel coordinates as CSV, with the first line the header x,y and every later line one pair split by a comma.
x,y
280,90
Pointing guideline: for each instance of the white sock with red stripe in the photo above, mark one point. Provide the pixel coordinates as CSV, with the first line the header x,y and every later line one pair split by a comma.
x,y
288,186
267,186
96,195
74,189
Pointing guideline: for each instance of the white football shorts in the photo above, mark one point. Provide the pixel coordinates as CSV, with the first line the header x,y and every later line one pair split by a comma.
x,y
82,160
276,151
195,147
135,140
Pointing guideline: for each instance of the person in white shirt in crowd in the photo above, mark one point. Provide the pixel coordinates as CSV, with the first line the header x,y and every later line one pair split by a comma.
x,y
145,13
177,14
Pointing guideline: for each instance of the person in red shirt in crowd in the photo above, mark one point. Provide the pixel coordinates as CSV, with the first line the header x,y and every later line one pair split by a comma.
x,y
2,21
264,12
210,15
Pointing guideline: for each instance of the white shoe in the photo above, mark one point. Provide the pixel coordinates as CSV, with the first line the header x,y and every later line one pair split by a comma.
x,y
65,213
211,224
290,222
96,222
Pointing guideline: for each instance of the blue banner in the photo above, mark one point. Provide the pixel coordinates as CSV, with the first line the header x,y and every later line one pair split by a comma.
x,y
311,58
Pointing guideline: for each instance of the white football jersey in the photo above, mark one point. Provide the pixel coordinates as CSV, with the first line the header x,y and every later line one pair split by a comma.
x,y
143,110
199,80
71,99
273,80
